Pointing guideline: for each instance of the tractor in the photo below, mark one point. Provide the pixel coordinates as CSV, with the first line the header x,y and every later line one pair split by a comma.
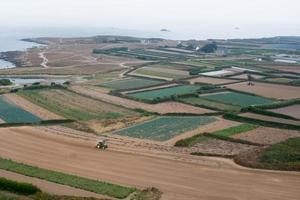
x,y
102,144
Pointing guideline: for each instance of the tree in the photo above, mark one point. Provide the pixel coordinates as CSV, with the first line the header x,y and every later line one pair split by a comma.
x,y
209,48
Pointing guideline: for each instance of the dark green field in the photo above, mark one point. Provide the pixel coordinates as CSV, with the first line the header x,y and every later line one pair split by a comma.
x,y
11,113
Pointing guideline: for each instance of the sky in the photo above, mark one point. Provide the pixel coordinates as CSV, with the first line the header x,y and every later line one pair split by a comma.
x,y
187,18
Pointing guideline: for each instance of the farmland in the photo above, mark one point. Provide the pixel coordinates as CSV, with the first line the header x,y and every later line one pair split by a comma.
x,y
73,106
267,90
131,83
211,80
293,110
160,73
238,99
209,104
165,92
164,128
11,113
166,109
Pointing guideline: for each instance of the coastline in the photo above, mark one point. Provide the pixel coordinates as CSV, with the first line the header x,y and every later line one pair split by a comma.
x,y
13,57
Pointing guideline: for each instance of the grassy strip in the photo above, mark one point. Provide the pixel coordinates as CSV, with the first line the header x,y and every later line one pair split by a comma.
x,y
222,135
67,179
41,123
279,104
254,109
229,139
260,122
18,188
235,130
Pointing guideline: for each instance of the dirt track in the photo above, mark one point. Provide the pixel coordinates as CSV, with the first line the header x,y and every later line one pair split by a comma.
x,y
162,108
178,180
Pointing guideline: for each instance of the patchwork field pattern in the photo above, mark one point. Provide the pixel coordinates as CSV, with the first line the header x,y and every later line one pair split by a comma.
x,y
165,92
267,90
73,106
238,99
131,83
165,128
209,104
11,113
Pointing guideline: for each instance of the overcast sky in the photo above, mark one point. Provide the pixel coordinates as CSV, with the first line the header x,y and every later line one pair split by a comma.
x,y
270,17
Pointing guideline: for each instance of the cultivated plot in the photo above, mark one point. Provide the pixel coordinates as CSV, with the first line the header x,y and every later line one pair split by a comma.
x,y
161,73
236,98
268,90
73,106
131,83
165,128
165,92
11,113
293,111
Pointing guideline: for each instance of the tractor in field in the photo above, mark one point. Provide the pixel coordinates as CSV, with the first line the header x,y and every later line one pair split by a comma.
x,y
102,144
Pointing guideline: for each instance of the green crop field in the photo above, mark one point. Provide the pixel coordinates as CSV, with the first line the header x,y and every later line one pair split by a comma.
x,y
165,128
96,186
131,83
235,98
209,104
11,113
165,92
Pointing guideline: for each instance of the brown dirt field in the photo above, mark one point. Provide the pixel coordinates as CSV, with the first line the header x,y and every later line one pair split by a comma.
x,y
293,111
50,187
284,68
30,107
210,80
221,147
265,135
268,90
176,179
271,119
163,108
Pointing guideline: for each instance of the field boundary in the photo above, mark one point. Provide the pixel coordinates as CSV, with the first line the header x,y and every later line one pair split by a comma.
x,y
96,186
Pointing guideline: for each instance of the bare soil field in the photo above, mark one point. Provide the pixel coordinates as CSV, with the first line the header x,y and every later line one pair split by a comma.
x,y
271,119
221,147
268,90
210,80
30,107
265,135
49,187
163,108
293,111
284,68
176,179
